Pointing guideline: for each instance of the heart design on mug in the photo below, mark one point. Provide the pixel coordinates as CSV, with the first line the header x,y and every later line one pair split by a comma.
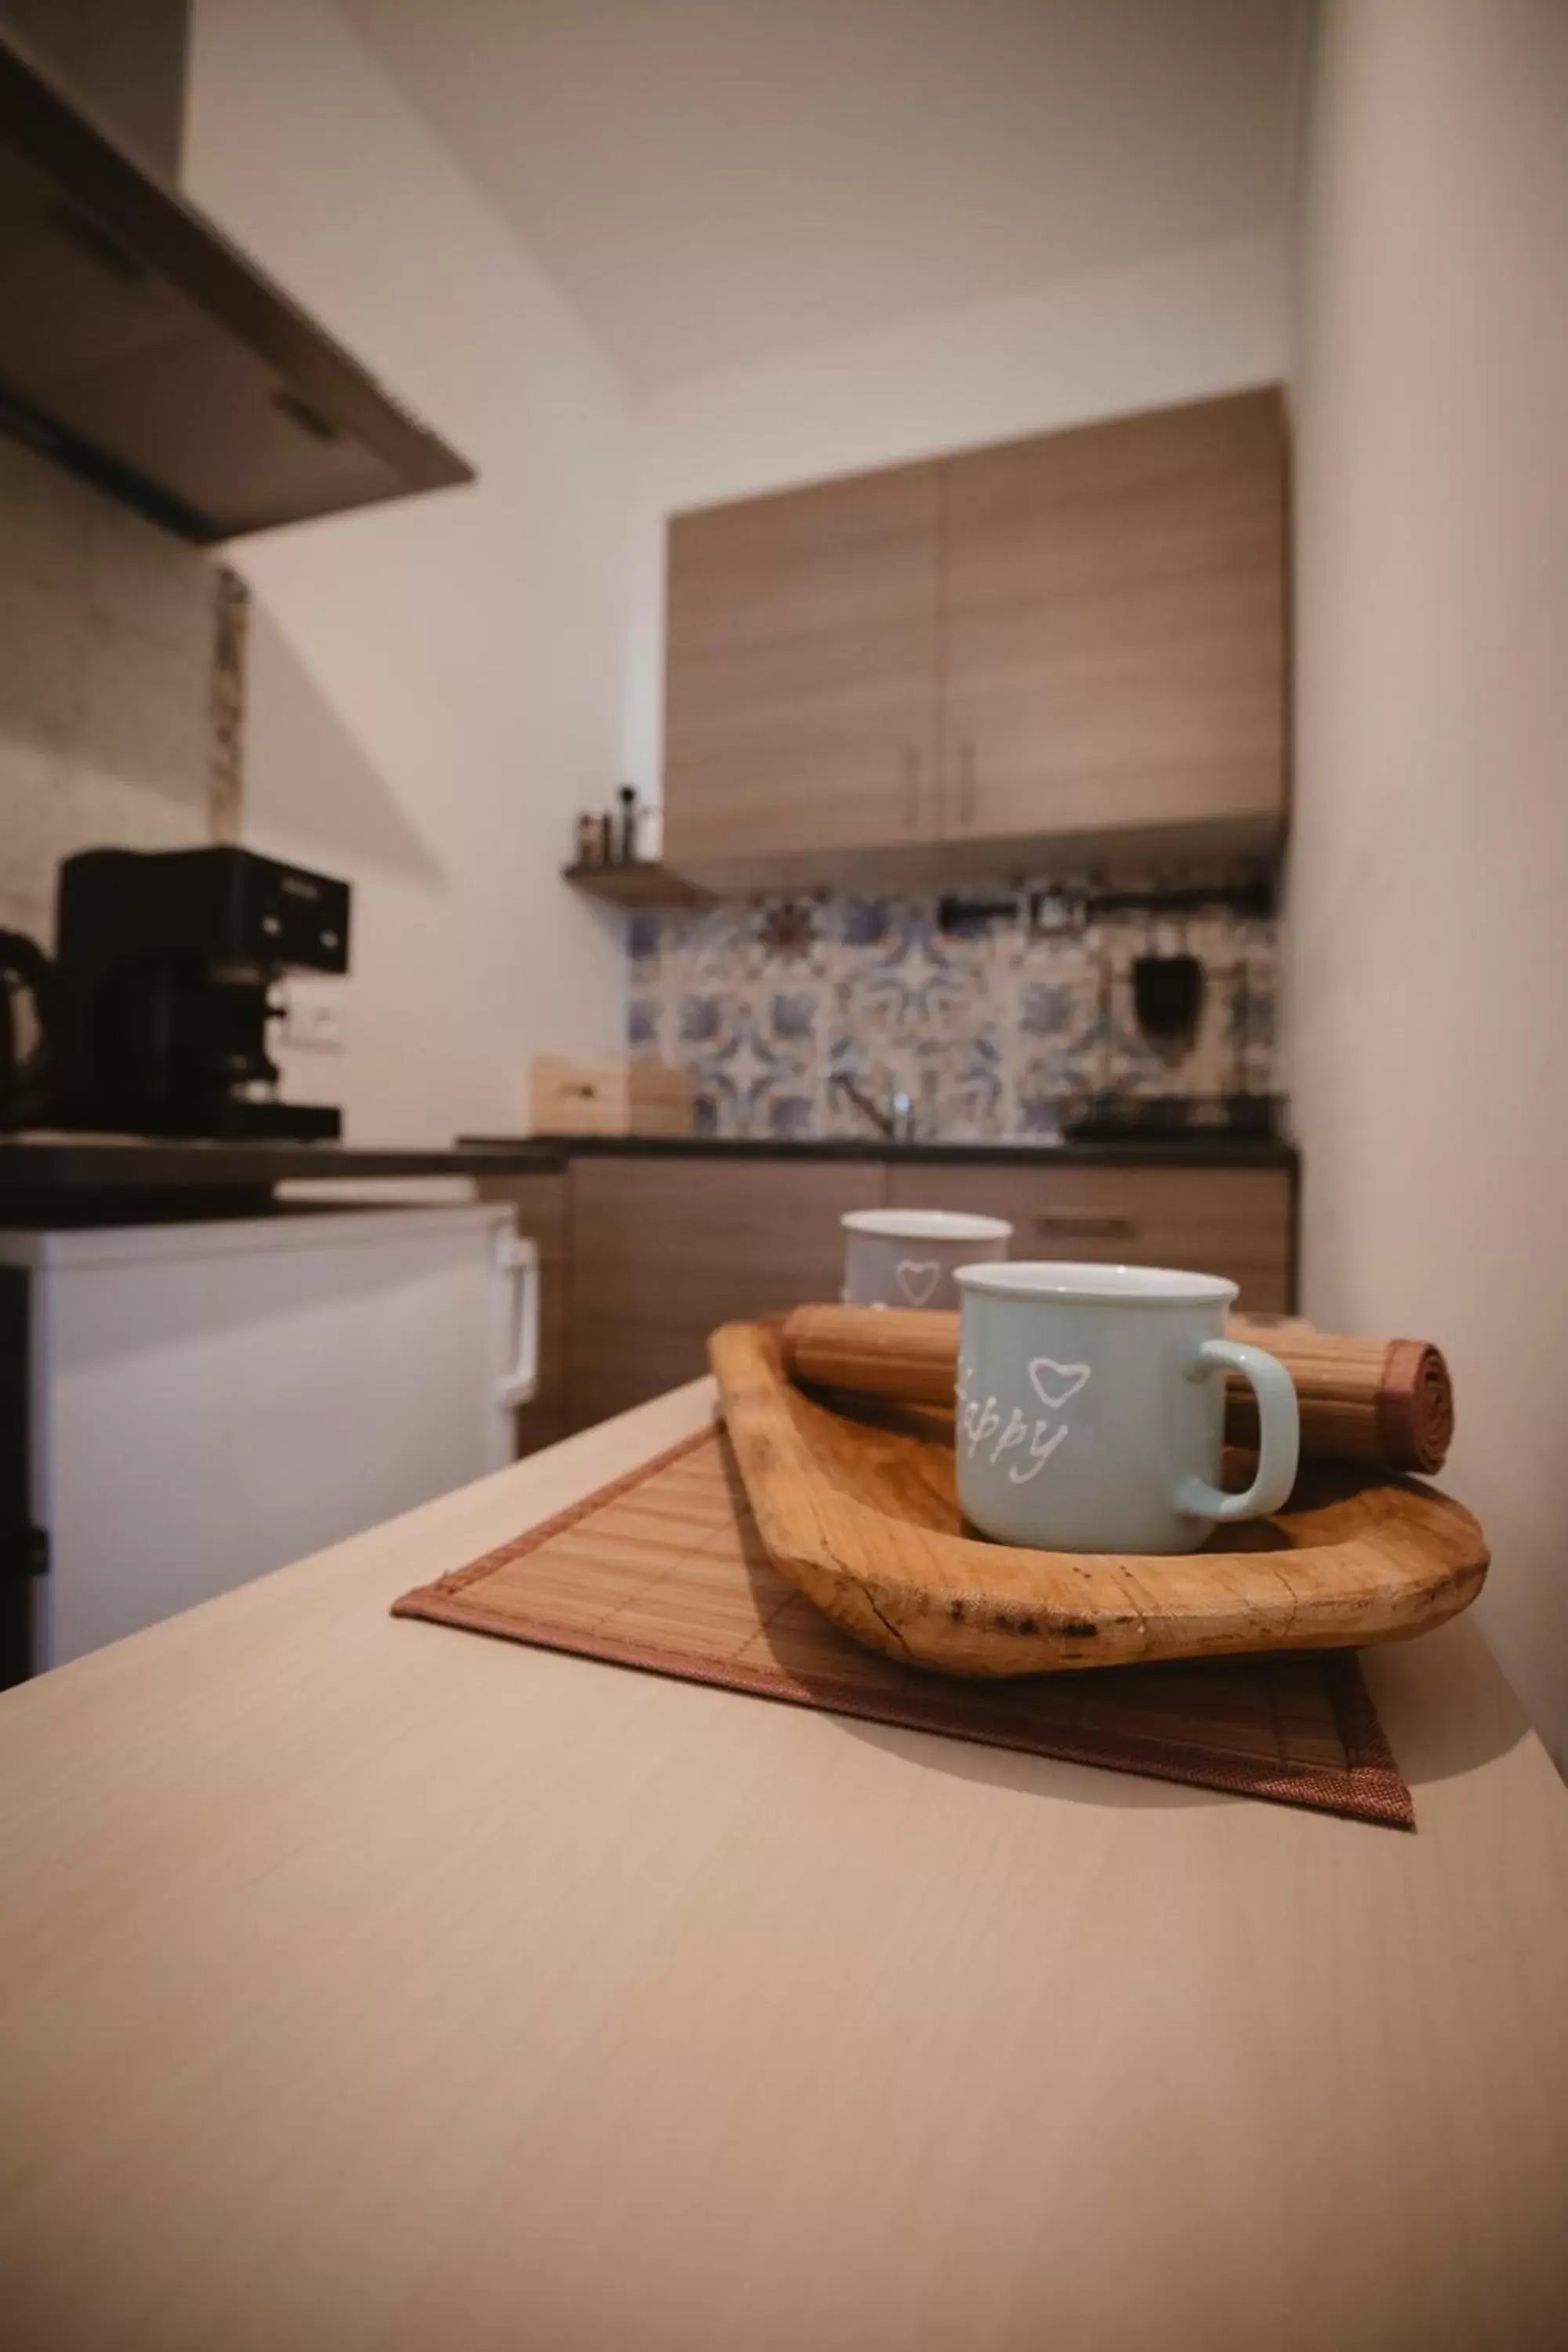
x,y
1056,1384
917,1278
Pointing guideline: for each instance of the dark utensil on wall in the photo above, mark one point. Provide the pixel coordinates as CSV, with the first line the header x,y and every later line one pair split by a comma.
x,y
1168,994
29,1020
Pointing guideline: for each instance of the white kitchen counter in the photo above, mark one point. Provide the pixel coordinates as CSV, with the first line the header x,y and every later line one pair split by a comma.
x,y
365,1983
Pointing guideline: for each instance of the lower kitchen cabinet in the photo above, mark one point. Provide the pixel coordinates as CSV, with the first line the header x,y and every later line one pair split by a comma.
x,y
1231,1220
663,1249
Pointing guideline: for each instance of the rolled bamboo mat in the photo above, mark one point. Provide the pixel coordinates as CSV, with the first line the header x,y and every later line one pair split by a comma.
x,y
1384,1401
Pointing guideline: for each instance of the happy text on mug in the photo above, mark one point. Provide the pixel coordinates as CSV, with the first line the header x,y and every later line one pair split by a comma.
x,y
1033,1437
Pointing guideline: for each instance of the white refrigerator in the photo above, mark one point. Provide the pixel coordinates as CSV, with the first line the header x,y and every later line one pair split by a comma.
x,y
205,1402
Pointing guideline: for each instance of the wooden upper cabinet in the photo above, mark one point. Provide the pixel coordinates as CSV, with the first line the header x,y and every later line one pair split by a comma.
x,y
941,669
1113,644
802,674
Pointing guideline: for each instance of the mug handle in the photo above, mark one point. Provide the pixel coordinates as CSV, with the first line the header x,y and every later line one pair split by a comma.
x,y
1278,1433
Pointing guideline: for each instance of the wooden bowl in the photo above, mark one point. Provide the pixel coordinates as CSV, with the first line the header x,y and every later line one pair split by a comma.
x,y
859,1509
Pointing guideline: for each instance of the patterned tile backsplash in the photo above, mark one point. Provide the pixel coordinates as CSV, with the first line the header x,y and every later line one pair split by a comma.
x,y
995,1034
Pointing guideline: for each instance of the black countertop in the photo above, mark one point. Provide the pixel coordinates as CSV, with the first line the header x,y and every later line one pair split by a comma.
x,y
61,1163
1214,1147
41,1171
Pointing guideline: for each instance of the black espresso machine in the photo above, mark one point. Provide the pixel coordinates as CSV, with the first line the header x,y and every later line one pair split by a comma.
x,y
165,965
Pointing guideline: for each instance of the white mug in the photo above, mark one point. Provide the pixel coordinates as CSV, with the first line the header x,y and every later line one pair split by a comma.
x,y
906,1257
1091,1408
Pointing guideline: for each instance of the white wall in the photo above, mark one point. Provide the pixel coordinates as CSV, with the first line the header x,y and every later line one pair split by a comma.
x,y
1429,908
436,689
721,182
1179,328
435,686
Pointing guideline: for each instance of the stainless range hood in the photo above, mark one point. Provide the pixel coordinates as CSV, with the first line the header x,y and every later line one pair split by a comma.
x,y
141,350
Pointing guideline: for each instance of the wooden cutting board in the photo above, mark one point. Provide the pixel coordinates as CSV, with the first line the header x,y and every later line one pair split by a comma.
x,y
860,1511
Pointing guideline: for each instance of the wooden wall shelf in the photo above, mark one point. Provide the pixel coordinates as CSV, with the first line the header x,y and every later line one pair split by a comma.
x,y
640,884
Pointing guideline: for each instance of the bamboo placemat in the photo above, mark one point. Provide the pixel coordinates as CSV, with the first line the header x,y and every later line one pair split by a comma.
x,y
663,1571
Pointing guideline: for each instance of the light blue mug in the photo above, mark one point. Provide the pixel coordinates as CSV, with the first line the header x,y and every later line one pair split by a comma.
x,y
1091,1408
906,1257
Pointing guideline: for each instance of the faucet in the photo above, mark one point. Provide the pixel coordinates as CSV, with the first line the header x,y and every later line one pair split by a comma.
x,y
896,1124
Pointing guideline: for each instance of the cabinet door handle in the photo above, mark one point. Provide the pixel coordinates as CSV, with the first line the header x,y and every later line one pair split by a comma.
x,y
966,784
517,1255
1084,1225
912,790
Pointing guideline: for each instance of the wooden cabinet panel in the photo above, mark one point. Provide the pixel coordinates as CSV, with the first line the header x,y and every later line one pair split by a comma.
x,y
802,672
1080,635
663,1249
541,1204
1231,1220
1114,625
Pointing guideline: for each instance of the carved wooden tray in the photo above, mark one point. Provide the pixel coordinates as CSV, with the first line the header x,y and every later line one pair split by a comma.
x,y
859,1509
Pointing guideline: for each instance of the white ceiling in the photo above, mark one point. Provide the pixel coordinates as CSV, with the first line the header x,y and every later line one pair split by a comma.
x,y
711,182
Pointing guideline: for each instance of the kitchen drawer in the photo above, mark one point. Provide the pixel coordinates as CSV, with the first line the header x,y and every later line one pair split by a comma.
x,y
1229,1220
663,1249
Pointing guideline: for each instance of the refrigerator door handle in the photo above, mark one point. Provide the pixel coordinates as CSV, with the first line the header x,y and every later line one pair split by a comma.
x,y
518,1256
